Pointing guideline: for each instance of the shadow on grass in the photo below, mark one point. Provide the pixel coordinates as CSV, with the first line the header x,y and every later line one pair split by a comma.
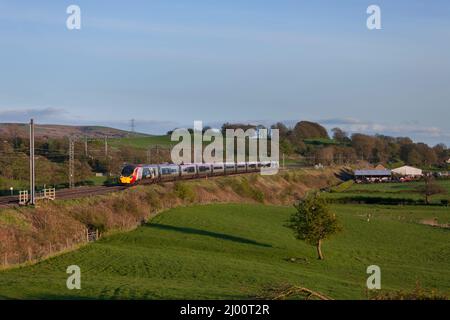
x,y
207,234
344,174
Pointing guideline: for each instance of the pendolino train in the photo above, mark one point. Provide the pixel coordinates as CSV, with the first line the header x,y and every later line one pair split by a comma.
x,y
132,174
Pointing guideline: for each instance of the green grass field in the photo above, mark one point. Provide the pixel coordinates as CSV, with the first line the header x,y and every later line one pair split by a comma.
x,y
405,190
234,251
143,142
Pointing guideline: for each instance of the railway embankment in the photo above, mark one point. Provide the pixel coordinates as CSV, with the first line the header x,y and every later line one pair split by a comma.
x,y
28,235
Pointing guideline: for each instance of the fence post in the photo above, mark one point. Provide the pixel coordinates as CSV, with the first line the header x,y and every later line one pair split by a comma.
x,y
29,254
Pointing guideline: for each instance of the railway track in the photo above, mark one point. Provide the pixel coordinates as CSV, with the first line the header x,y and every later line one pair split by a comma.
x,y
67,194
80,192
8,201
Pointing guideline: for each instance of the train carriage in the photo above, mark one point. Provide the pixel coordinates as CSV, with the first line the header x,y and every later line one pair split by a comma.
x,y
169,172
132,174
218,169
204,169
252,166
230,167
149,172
188,170
241,167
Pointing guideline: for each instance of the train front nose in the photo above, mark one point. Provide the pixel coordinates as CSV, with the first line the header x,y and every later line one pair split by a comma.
x,y
125,180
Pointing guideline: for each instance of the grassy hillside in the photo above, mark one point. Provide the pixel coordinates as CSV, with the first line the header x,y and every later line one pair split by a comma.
x,y
62,131
143,142
234,251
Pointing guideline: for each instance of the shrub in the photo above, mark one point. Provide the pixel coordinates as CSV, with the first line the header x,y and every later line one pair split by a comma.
x,y
111,181
153,199
243,188
184,191
92,219
344,186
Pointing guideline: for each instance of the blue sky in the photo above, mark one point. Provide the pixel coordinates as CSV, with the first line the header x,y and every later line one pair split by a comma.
x,y
168,63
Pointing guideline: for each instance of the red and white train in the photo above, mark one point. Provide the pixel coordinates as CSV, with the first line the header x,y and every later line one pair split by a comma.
x,y
132,174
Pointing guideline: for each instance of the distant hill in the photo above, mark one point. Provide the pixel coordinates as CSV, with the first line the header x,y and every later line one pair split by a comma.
x,y
60,131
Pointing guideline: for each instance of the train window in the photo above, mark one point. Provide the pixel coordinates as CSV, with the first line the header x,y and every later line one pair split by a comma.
x,y
146,172
128,171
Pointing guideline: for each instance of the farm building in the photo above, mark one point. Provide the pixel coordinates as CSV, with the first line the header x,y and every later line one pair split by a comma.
x,y
372,175
407,171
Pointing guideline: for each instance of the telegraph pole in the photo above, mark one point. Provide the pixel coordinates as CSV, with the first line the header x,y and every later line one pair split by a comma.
x,y
132,122
106,146
32,167
71,162
85,146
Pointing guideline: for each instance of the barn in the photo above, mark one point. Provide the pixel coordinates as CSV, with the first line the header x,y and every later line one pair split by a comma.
x,y
372,175
407,171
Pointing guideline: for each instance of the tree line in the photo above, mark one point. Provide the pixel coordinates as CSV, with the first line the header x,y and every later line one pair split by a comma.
x,y
312,141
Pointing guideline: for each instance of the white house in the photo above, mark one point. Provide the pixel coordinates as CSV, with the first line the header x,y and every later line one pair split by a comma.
x,y
407,171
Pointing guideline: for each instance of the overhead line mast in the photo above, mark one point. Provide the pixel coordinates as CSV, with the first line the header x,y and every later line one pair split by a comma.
x,y
71,162
32,165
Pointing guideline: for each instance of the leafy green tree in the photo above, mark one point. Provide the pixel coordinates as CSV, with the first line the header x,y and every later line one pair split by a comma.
x,y
314,222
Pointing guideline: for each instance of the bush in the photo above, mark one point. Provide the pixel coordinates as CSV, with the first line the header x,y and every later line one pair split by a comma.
x,y
444,202
243,188
153,199
92,219
111,181
184,191
344,186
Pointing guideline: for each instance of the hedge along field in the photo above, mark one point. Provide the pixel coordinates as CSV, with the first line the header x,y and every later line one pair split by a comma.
x,y
231,251
379,191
